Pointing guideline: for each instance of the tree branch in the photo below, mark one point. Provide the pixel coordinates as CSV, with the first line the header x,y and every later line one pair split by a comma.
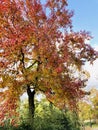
x,y
32,65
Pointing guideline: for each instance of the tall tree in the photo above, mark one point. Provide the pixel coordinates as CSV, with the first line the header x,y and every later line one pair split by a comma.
x,y
40,51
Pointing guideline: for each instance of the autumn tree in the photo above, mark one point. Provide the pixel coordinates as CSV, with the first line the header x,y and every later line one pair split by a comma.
x,y
85,113
39,51
94,101
89,107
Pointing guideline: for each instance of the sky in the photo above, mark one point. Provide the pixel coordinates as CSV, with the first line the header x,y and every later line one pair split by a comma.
x,y
86,18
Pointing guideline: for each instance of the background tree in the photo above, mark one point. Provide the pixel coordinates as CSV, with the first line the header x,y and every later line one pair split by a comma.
x,y
94,101
89,108
39,50
85,113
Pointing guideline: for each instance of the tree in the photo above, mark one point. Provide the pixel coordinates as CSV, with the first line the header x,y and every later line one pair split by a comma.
x,y
40,51
89,107
94,101
85,113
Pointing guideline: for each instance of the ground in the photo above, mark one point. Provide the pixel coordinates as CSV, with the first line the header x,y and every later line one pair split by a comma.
x,y
89,128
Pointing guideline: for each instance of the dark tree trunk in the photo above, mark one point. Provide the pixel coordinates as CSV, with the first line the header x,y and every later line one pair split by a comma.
x,y
31,101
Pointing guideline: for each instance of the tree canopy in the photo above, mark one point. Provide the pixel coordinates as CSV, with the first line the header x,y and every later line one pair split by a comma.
x,y
39,48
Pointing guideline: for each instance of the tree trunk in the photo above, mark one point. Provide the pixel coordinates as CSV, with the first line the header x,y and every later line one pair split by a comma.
x,y
31,101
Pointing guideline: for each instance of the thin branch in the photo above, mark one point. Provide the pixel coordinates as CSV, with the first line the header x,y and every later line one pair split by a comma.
x,y
32,65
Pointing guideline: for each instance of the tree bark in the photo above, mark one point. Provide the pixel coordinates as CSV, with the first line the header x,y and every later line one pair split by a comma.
x,y
31,101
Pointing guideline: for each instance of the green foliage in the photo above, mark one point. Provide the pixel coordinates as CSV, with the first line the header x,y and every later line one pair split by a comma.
x,y
21,127
48,117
